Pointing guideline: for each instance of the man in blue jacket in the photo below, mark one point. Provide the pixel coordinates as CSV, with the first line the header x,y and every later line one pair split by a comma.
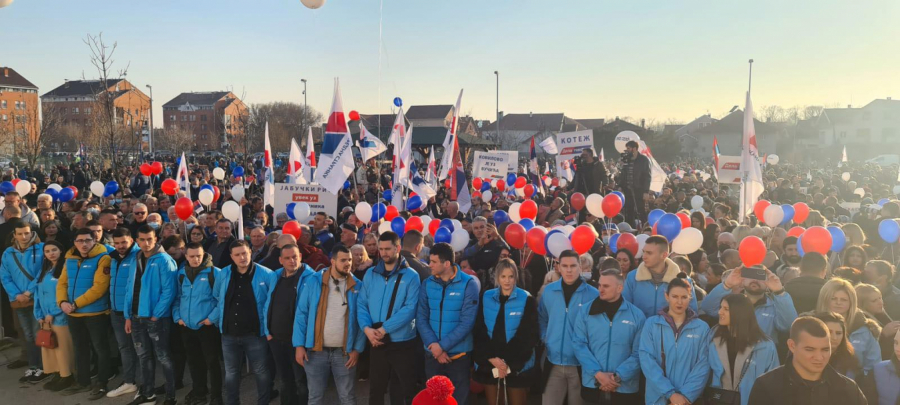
x,y
448,306
243,292
124,259
19,270
561,300
774,307
148,313
646,286
327,341
386,312
606,337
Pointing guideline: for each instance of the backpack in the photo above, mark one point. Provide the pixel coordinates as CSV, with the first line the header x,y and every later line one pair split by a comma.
x,y
211,279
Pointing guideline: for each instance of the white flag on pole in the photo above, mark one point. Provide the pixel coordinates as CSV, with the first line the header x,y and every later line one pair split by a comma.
x,y
369,145
295,164
844,156
269,184
447,158
657,174
183,177
751,181
337,148
549,146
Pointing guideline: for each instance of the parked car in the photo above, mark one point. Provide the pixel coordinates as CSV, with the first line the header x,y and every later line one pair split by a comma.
x,y
885,160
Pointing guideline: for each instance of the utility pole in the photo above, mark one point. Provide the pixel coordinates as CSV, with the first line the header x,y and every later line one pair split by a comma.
x,y
150,138
496,73
303,115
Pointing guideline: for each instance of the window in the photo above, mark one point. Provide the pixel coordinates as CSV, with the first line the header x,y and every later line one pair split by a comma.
x,y
172,118
203,127
203,118
64,110
87,110
74,110
193,118
5,117
184,118
3,105
23,105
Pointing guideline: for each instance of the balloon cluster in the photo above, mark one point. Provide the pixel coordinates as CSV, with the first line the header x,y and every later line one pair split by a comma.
x,y
775,215
101,190
151,169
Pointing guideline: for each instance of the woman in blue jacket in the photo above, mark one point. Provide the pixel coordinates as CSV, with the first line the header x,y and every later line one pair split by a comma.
x,y
887,377
506,334
739,351
60,360
674,351
838,295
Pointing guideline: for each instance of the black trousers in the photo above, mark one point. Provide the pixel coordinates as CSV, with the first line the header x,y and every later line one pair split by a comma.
x,y
395,358
294,390
634,208
177,352
203,351
91,332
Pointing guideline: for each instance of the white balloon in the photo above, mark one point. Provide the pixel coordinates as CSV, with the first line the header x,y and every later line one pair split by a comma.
x,y
459,239
557,243
623,138
313,4
219,173
57,187
456,225
772,159
486,196
696,202
642,240
206,196
4,3
845,176
237,192
2,204
363,212
520,192
514,212
594,204
231,211
96,188
23,187
773,215
689,240
567,229
563,182
494,183
425,221
859,191
385,226
301,212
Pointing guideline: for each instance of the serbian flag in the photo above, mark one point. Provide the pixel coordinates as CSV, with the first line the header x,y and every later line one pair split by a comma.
x,y
418,185
183,177
657,174
309,162
337,148
534,170
269,176
459,186
602,158
295,164
450,140
716,155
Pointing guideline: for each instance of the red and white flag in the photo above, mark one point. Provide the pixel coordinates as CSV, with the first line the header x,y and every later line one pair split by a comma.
x,y
309,162
295,164
450,140
337,148
398,138
183,177
459,185
269,175
751,180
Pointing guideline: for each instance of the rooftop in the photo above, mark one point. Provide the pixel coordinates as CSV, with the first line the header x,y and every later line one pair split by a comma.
x,y
82,88
197,99
10,78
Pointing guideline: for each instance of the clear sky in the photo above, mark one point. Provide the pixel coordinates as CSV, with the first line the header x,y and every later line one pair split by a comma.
x,y
589,59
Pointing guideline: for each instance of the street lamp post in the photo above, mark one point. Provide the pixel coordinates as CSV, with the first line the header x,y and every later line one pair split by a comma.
x,y
496,73
303,115
150,138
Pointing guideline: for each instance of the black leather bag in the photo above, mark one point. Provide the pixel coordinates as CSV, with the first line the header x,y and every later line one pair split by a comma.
x,y
376,325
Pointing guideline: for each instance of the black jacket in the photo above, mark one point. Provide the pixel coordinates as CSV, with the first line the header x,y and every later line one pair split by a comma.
x,y
784,386
804,291
224,259
590,177
641,175
417,265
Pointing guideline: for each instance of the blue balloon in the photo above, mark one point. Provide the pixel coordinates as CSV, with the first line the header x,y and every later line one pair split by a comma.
x,y
485,186
442,235
800,247
527,223
207,187
654,216
621,196
66,195
614,243
111,188
238,172
510,179
7,187
547,238
883,201
414,203
669,226
838,239
52,193
387,194
290,210
447,223
788,213
346,185
889,230
398,101
500,217
378,211
398,225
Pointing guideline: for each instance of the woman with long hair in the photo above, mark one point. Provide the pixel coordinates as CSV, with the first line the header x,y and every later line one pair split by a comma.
x,y
59,361
361,260
838,295
871,304
855,234
710,238
626,260
698,220
887,377
196,235
843,360
506,334
854,256
53,231
739,351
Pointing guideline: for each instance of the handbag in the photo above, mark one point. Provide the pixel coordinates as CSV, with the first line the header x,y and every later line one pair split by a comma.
x,y
45,338
721,396
376,325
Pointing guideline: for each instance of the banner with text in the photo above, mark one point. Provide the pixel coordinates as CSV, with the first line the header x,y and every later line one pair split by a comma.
x,y
318,198
492,165
513,159
572,143
729,169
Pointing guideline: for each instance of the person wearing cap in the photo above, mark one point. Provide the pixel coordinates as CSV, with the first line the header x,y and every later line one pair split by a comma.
x,y
348,235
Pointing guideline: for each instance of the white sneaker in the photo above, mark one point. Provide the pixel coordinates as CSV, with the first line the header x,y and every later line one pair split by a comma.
x,y
123,389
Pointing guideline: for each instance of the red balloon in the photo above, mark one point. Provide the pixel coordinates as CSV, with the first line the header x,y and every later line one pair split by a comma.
x,y
354,115
685,220
529,191
710,221
169,187
535,238
577,201
801,212
520,182
653,231
611,205
391,213
416,223
292,228
816,239
583,238
753,250
216,193
447,183
476,194
628,242
74,191
476,182
15,181
796,231
146,170
501,185
184,208
157,167
515,236
528,209
433,226
760,208
555,182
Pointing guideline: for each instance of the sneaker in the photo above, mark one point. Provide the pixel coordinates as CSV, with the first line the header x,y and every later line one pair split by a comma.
x,y
61,384
162,388
17,364
142,400
97,392
123,389
38,376
27,376
53,381
75,388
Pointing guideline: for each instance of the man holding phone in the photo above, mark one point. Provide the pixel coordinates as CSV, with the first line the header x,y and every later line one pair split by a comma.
x,y
485,253
774,307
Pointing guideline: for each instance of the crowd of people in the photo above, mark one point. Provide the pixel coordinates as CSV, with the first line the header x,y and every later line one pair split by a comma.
x,y
103,290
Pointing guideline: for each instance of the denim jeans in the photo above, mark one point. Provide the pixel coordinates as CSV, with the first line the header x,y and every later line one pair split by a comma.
x,y
30,327
126,347
457,371
325,363
152,337
234,348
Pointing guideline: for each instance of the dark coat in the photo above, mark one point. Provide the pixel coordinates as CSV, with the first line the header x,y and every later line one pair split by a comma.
x,y
590,177
641,181
804,291
784,386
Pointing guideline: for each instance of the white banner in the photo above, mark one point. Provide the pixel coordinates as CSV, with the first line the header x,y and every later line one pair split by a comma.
x,y
513,159
853,207
572,143
491,165
318,198
729,169
564,169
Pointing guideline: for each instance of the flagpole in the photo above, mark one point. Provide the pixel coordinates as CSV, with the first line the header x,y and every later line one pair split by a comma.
x,y
750,78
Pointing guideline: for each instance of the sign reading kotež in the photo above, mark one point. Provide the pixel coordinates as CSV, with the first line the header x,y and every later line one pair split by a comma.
x,y
572,143
318,198
491,165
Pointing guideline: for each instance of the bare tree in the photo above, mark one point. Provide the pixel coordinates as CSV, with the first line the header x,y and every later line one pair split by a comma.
x,y
108,133
176,139
286,121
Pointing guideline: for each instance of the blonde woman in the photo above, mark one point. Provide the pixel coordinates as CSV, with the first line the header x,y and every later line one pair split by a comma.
x,y
838,295
855,235
361,260
871,304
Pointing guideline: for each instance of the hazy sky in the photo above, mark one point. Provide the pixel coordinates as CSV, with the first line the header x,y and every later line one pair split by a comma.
x,y
588,59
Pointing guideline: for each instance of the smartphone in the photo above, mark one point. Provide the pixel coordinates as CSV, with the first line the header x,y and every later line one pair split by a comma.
x,y
755,273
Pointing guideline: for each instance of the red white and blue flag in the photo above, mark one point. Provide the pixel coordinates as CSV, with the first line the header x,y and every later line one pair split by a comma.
x,y
459,185
336,158
309,162
295,164
534,170
449,140
716,155
418,185
269,173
